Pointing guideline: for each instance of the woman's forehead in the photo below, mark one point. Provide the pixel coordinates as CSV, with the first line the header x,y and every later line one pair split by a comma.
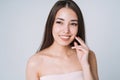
x,y
64,13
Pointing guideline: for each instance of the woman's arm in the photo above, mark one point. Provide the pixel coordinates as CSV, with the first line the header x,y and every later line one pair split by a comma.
x,y
93,65
32,69
86,59
90,70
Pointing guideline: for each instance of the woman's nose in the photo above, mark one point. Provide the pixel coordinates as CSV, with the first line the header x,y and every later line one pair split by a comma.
x,y
66,29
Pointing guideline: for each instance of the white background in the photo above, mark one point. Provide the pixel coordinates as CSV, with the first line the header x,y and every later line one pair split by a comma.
x,y
22,26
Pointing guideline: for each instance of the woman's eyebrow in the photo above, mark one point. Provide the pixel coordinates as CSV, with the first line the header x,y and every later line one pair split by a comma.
x,y
60,19
75,20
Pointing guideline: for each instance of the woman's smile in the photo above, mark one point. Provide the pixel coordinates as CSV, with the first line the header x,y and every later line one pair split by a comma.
x,y
65,37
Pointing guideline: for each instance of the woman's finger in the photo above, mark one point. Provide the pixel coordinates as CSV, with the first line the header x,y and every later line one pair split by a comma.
x,y
75,45
78,47
81,41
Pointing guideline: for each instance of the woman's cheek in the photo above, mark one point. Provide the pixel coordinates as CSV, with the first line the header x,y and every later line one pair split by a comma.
x,y
57,29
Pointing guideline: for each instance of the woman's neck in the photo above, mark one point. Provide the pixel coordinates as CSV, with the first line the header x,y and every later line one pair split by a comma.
x,y
59,50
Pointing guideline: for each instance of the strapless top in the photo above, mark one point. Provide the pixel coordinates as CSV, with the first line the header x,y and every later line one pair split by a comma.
x,y
77,75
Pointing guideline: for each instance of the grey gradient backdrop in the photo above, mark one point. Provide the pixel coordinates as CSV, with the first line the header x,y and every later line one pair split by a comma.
x,y
22,26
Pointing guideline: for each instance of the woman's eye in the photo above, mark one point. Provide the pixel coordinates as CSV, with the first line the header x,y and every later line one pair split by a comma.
x,y
74,24
59,22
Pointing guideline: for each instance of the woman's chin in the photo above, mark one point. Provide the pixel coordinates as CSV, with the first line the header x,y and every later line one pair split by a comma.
x,y
64,44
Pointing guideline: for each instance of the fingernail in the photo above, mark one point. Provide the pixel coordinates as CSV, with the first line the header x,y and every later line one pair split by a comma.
x,y
73,47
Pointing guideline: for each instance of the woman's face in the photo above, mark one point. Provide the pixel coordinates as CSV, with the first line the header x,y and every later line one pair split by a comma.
x,y
65,26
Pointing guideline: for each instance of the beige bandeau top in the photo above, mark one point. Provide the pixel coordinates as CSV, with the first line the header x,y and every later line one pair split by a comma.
x,y
77,75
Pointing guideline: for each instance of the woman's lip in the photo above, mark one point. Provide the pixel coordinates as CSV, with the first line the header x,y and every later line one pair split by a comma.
x,y
65,37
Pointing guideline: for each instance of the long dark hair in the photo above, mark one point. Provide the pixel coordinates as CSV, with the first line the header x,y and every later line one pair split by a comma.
x,y
48,37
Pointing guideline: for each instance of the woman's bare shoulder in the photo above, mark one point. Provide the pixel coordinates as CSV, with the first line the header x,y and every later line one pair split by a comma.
x,y
33,66
92,58
35,60
92,55
93,64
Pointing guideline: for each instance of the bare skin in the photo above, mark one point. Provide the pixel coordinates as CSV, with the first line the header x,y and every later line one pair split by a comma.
x,y
60,58
46,63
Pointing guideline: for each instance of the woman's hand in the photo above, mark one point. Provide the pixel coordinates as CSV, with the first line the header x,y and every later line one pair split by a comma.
x,y
82,51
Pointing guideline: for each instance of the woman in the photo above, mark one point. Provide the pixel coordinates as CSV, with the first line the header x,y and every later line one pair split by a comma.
x,y
63,54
